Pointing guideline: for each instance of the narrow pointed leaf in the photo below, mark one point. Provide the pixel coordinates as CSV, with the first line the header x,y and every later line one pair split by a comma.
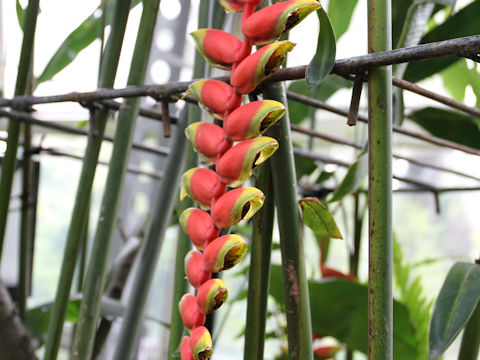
x,y
324,58
455,304
356,175
20,12
450,125
340,13
317,217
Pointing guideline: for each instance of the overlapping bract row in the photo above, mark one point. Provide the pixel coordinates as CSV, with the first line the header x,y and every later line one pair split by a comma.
x,y
234,150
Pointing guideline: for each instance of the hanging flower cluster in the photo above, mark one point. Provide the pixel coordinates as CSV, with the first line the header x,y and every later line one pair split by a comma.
x,y
235,150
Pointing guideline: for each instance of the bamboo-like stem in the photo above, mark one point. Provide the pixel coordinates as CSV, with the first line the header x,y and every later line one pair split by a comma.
x,y
297,301
143,278
82,199
471,337
259,272
23,75
95,278
380,301
24,269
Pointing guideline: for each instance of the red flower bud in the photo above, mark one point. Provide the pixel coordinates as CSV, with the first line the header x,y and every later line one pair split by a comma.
x,y
188,308
270,23
224,253
252,119
185,351
198,224
201,343
198,184
328,272
218,47
216,97
208,139
237,164
211,295
194,269
260,65
326,352
237,5
236,205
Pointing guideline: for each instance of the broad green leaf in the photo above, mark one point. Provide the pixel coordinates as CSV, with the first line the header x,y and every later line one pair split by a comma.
x,y
299,112
324,58
463,23
455,304
339,308
354,178
340,13
303,166
458,76
317,217
20,12
399,14
450,125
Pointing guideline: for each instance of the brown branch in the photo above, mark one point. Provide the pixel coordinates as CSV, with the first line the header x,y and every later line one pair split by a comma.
x,y
14,339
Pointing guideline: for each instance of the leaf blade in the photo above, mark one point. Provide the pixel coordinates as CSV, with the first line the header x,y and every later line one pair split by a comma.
x,y
318,218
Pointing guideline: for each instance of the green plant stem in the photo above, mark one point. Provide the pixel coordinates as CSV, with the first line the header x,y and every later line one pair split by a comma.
x,y
82,198
95,279
259,272
471,337
23,75
380,299
162,209
297,302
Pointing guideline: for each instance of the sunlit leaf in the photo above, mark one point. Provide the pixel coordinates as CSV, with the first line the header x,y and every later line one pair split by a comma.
x,y
450,125
324,58
340,13
317,217
455,304
354,178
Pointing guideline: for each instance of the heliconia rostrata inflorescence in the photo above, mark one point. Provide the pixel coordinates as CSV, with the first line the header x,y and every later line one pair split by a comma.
x,y
234,163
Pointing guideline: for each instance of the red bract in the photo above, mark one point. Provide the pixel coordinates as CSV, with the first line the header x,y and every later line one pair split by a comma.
x,y
237,164
211,295
201,343
237,5
236,205
198,224
185,351
188,308
224,253
252,119
218,47
270,23
208,139
194,269
216,97
326,352
199,183
328,272
260,65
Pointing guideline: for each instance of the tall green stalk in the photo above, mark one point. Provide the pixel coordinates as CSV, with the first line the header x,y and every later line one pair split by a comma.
x,y
380,301
23,75
95,279
259,272
471,337
74,238
162,210
297,302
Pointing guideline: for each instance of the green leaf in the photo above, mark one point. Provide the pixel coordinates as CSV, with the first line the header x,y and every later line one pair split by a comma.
x,y
451,125
463,23
455,304
303,166
411,294
324,58
340,13
354,178
339,308
299,112
458,76
317,217
20,12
